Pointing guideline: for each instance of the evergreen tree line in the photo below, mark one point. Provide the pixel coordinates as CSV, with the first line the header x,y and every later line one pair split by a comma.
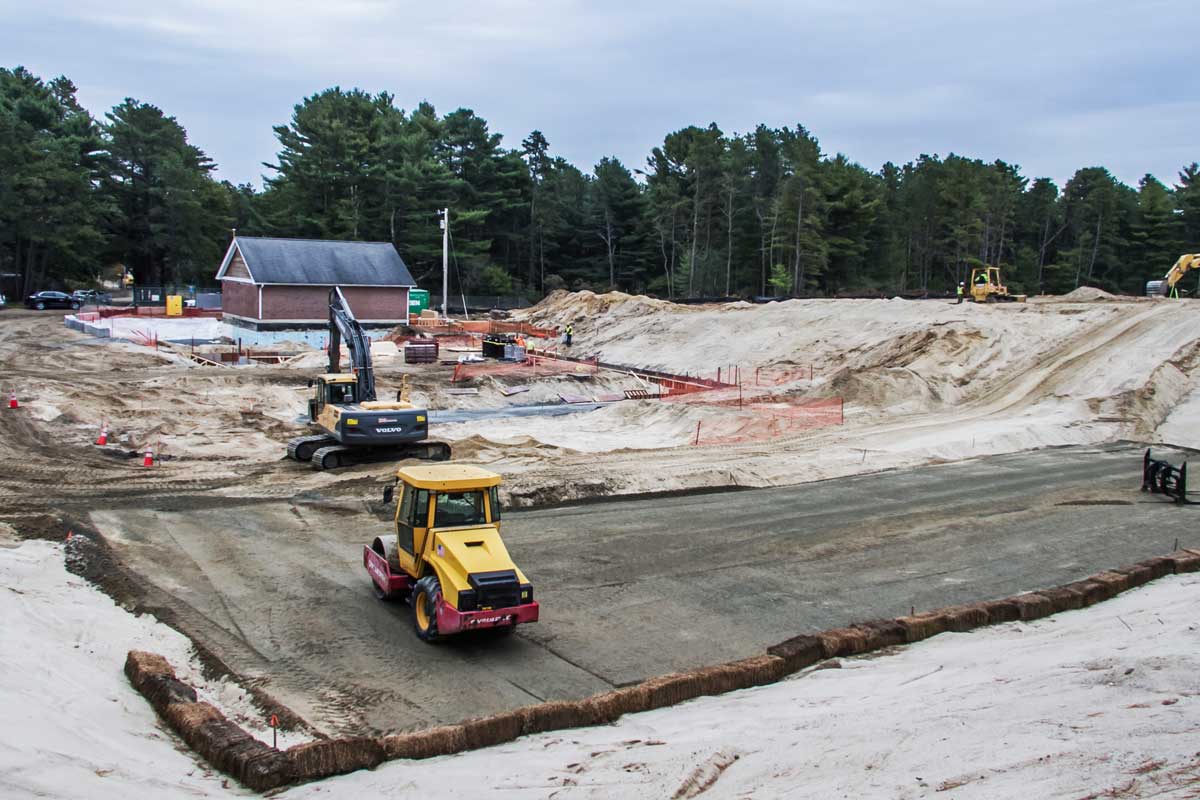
x,y
710,214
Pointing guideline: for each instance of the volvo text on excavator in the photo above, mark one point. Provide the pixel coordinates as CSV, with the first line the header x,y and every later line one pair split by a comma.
x,y
354,426
1168,286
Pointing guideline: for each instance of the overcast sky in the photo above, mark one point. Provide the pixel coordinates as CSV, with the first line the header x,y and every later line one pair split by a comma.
x,y
1051,86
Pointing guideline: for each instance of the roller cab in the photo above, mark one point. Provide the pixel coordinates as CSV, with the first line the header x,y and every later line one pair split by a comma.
x,y
446,555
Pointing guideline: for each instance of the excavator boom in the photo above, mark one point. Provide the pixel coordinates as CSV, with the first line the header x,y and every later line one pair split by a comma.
x,y
1167,286
343,325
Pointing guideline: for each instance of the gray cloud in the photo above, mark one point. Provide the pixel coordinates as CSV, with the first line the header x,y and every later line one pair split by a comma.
x,y
1051,87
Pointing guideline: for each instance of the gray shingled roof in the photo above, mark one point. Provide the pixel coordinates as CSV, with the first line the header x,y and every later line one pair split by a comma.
x,y
321,262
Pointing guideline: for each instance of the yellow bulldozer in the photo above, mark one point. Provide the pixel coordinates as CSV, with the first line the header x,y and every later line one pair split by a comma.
x,y
986,287
446,555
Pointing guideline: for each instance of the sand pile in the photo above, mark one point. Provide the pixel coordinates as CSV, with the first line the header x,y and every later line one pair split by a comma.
x,y
904,356
560,307
1086,294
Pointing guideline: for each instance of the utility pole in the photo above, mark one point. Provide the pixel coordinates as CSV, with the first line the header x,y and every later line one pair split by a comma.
x,y
445,258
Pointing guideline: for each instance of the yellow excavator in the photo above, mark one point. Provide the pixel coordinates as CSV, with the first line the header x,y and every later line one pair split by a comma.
x,y
355,427
986,287
1168,286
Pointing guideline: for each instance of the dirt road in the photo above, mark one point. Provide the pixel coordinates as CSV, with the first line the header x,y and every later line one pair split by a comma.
x,y
634,588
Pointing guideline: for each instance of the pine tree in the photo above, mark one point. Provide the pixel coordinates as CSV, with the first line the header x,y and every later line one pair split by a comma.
x,y
174,219
1155,236
616,212
1187,199
50,213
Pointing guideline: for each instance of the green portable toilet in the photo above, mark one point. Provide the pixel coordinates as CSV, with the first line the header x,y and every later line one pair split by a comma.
x,y
418,300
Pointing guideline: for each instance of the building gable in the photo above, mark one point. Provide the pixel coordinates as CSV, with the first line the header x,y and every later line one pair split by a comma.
x,y
234,267
238,269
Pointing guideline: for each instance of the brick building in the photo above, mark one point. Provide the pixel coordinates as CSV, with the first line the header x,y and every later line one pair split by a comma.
x,y
269,284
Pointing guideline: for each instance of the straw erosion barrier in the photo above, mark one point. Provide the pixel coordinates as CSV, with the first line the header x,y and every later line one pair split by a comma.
x,y
260,767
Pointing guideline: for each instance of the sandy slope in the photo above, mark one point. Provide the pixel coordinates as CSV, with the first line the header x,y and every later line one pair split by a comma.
x,y
1093,701
72,726
923,381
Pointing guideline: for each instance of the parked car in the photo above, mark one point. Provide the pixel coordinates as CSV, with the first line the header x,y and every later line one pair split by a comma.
x,y
3,301
42,300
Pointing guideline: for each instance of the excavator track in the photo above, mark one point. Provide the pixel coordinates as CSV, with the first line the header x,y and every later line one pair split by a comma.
x,y
337,455
302,447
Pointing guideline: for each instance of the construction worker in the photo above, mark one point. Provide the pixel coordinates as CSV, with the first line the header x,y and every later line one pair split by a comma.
x,y
961,286
568,334
981,278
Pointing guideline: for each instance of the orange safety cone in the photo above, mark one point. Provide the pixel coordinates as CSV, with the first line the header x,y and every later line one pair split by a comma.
x,y
103,439
148,460
12,399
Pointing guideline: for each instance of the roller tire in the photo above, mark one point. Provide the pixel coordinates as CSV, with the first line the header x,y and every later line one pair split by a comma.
x,y
425,597
380,594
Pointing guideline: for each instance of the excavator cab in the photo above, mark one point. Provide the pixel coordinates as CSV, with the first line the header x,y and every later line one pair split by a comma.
x,y
332,389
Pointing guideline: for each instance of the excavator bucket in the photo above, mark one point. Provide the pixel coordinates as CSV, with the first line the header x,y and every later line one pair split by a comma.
x,y
1159,477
